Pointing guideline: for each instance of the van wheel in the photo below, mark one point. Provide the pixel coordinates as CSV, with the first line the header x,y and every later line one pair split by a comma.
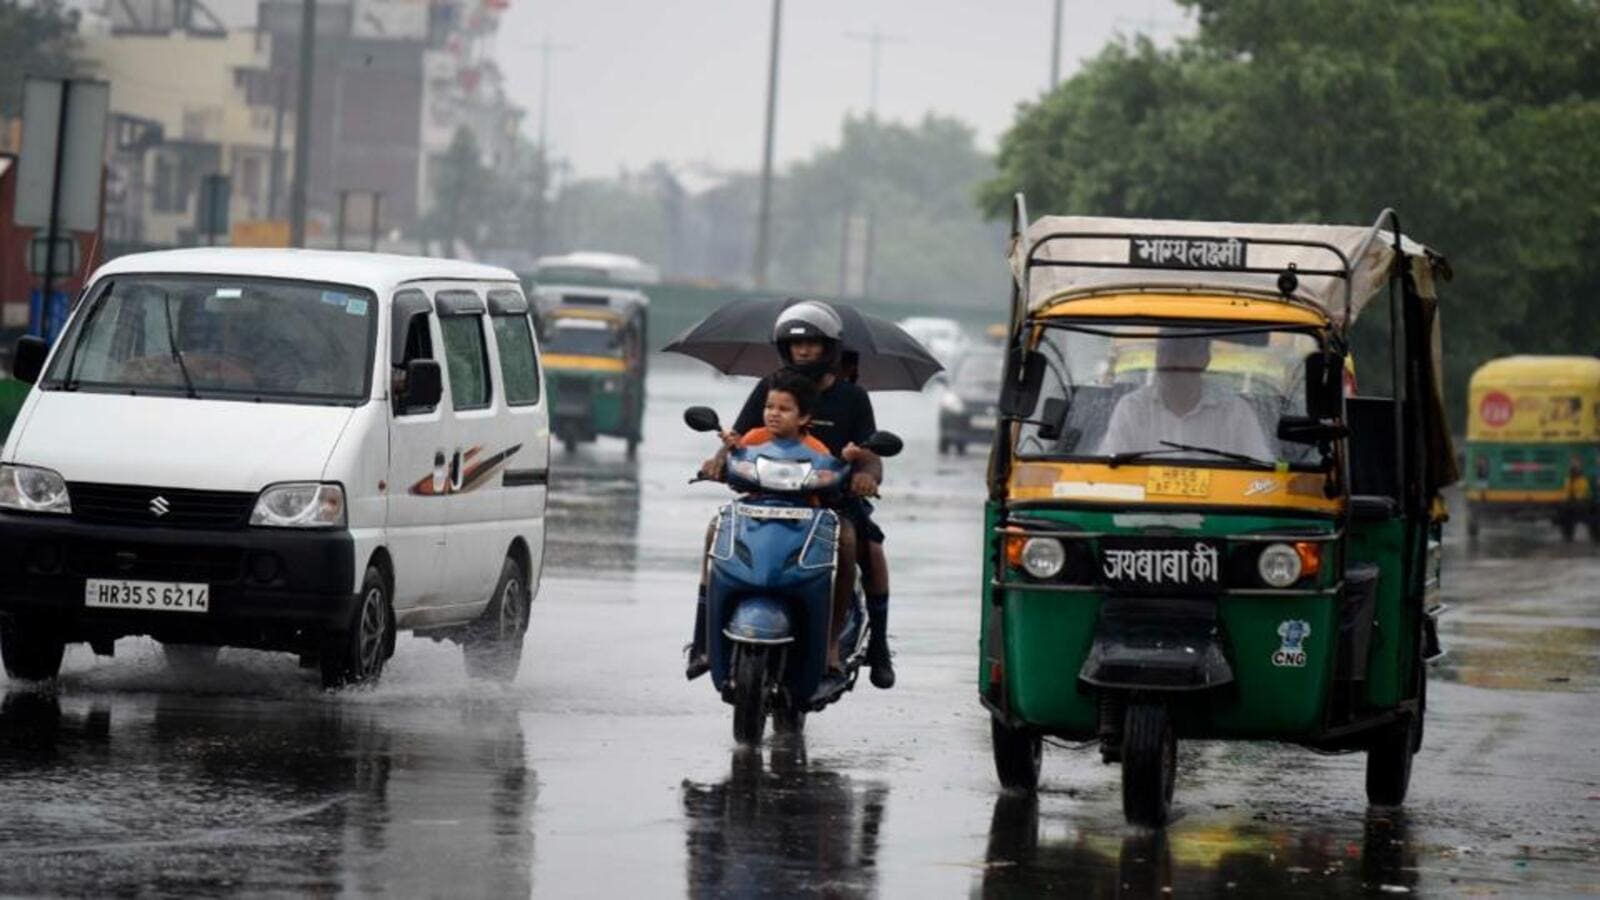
x,y
31,651
492,648
189,657
355,654
1017,756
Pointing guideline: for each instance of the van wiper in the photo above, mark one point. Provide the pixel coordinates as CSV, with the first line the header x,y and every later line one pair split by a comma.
x,y
1225,454
177,355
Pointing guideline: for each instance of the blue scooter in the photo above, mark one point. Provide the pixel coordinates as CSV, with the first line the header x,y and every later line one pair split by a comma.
x,y
770,591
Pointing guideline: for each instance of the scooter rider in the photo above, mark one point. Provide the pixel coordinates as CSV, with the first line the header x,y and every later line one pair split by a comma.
x,y
807,335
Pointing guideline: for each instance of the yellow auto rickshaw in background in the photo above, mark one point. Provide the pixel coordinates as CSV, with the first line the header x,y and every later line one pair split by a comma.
x,y
1237,549
1533,443
594,341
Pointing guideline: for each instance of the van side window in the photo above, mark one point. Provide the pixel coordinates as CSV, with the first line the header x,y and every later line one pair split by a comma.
x,y
519,362
412,341
466,357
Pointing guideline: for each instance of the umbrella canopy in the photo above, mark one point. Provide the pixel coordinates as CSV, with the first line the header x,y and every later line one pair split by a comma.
x,y
737,340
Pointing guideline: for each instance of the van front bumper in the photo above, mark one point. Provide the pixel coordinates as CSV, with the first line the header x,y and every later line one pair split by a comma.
x,y
269,588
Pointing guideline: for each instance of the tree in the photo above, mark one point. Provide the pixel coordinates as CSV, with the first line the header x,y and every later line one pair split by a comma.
x,y
1478,120
36,38
461,186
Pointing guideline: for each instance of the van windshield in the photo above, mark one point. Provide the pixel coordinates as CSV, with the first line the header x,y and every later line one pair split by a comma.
x,y
221,338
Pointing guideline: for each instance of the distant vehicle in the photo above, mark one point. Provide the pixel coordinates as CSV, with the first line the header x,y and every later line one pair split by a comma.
x,y
1533,443
595,341
943,337
589,267
967,408
286,450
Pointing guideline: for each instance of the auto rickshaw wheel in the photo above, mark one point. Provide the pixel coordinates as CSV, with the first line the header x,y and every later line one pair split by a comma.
x,y
1568,523
1149,764
569,444
1594,527
1017,756
1389,763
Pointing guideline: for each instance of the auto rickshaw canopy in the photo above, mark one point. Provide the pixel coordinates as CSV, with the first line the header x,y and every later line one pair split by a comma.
x,y
1186,256
1537,399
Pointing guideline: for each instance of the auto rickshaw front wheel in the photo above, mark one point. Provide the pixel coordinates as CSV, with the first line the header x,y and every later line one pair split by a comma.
x,y
1017,756
1389,762
1149,764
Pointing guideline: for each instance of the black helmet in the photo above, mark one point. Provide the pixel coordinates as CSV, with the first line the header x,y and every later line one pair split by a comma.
x,y
809,320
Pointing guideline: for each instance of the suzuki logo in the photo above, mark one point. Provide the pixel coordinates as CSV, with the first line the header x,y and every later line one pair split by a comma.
x,y
160,507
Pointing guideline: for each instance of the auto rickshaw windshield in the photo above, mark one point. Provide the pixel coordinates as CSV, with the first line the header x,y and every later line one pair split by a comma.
x,y
582,337
1138,390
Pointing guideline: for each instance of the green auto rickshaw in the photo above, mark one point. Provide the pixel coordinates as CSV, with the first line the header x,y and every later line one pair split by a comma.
x,y
1533,443
1177,557
594,342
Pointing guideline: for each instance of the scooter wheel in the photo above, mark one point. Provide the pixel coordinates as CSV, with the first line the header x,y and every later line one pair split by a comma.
x,y
749,695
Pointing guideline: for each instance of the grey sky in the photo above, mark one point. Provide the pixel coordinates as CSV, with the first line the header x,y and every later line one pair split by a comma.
x,y
684,80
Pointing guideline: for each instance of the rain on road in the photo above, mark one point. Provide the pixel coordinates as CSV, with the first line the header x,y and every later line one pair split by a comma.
x,y
601,772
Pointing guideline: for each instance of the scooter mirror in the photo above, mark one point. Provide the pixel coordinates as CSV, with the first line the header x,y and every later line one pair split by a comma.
x,y
883,443
702,418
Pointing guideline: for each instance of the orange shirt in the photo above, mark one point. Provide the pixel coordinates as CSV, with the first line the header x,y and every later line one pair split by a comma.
x,y
761,434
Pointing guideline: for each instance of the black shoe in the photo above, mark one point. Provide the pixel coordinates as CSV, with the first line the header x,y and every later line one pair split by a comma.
x,y
878,656
883,672
698,664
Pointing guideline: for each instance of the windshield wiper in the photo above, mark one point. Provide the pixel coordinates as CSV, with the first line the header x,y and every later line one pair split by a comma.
x,y
177,355
1225,454
1128,456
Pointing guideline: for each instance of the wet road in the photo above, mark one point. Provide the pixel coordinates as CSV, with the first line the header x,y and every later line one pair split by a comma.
x,y
600,772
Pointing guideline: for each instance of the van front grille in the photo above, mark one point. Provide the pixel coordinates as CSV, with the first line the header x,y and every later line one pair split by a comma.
x,y
127,504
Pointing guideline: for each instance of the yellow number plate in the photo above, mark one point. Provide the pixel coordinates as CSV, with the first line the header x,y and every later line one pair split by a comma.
x,y
1172,481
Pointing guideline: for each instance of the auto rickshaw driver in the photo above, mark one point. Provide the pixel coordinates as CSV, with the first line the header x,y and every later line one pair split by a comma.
x,y
1179,407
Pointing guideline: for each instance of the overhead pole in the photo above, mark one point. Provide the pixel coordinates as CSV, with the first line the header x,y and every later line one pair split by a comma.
x,y
1055,49
764,211
302,124
874,39
546,49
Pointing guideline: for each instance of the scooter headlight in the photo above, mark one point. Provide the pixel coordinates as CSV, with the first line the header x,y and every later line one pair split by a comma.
x,y
782,474
1279,565
300,505
35,490
743,469
1043,557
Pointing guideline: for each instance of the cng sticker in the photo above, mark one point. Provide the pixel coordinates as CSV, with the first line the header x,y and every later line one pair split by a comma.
x,y
1292,653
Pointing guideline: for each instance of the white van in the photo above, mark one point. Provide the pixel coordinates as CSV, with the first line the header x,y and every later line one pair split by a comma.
x,y
281,449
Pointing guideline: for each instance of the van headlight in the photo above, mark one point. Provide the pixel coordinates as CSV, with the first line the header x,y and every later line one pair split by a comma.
x,y
951,403
1279,565
1043,557
34,490
302,504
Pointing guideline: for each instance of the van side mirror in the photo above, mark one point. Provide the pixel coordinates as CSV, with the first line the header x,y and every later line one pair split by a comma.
x,y
1019,396
702,418
883,443
28,361
1324,386
424,386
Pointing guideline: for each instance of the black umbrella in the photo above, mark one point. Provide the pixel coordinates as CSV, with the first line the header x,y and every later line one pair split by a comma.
x,y
737,340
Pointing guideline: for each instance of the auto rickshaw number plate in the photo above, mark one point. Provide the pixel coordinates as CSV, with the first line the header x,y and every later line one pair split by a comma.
x,y
1175,481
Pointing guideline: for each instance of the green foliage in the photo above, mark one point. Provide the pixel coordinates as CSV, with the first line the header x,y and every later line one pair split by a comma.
x,y
1477,120
916,182
35,39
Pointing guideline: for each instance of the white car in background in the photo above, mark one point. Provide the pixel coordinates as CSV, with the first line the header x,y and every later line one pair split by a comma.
x,y
944,338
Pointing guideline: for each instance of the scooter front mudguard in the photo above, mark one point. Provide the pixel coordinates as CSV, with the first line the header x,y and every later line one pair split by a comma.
x,y
1150,644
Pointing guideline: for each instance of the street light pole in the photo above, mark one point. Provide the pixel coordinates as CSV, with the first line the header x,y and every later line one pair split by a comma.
x,y
876,39
764,213
302,124
1055,49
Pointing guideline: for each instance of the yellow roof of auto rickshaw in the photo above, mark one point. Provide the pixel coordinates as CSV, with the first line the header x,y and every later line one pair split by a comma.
x,y
1581,373
1154,305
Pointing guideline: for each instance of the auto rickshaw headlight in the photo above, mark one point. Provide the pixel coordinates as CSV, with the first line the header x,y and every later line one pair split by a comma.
x,y
1043,557
1279,565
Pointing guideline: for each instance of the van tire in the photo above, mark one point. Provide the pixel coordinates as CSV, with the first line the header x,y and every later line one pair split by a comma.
x,y
355,654
30,650
492,646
